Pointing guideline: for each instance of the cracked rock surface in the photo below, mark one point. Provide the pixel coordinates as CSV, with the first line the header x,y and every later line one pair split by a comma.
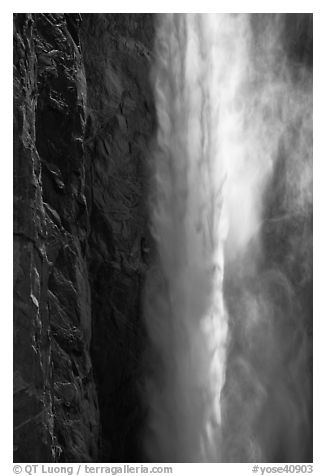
x,y
83,119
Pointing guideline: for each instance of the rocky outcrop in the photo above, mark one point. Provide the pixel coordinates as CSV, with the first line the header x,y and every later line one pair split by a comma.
x,y
84,116
55,402
119,129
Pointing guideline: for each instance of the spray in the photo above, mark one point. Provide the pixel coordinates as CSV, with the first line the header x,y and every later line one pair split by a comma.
x,y
225,105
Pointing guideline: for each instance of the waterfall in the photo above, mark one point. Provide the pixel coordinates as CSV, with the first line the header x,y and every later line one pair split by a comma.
x,y
226,103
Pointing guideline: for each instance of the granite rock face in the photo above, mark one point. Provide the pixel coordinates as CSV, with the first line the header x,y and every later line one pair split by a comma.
x,y
120,125
83,118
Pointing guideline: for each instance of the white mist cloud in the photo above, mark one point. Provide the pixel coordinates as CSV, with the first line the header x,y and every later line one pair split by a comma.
x,y
226,106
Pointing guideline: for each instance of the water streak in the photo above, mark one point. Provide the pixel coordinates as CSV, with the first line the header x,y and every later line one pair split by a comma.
x,y
225,105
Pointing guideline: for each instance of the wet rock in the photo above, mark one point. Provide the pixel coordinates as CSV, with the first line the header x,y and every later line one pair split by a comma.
x,y
121,122
52,317
83,119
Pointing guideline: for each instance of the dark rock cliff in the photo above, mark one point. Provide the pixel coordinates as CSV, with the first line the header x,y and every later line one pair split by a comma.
x,y
83,118
119,128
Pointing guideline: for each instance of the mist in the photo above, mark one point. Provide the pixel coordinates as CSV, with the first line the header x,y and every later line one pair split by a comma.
x,y
227,302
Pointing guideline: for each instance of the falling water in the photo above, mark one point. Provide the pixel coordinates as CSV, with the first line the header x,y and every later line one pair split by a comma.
x,y
227,104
